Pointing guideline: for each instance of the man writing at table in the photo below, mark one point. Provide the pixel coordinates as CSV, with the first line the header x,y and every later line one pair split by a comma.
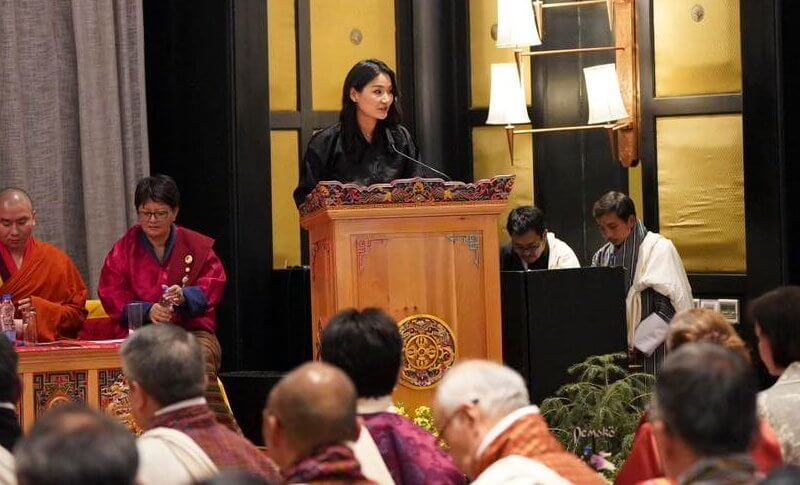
x,y
37,274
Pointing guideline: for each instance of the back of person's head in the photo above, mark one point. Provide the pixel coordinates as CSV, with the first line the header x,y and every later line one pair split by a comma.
x,y
777,314
311,407
614,203
705,395
496,389
73,445
9,378
704,325
524,219
157,188
785,475
367,346
166,361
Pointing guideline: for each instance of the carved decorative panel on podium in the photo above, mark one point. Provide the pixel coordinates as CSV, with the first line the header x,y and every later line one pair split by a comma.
x,y
422,249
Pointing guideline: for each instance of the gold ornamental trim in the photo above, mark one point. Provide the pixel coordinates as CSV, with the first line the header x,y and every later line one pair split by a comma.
x,y
429,349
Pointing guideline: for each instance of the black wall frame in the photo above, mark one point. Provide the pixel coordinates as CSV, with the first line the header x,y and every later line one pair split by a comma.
x,y
208,126
652,107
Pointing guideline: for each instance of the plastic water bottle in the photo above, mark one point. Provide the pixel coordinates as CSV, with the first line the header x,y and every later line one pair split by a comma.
x,y
7,318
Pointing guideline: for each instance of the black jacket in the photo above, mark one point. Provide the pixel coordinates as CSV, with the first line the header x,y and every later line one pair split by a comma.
x,y
364,164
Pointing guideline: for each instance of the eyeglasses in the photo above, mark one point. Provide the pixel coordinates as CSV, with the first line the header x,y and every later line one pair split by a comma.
x,y
530,248
157,215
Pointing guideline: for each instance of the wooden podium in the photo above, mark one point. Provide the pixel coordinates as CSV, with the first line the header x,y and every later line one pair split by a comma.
x,y
424,250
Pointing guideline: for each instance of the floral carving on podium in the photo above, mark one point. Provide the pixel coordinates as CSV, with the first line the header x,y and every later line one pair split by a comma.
x,y
415,191
53,389
473,243
318,340
362,250
115,400
322,246
105,379
428,350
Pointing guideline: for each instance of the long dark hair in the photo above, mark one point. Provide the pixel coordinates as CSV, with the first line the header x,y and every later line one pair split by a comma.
x,y
359,76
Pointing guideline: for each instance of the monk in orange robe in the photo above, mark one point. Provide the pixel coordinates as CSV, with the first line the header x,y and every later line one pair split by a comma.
x,y
37,274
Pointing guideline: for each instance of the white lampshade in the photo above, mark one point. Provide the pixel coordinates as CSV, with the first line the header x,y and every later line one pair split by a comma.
x,y
516,26
506,100
605,97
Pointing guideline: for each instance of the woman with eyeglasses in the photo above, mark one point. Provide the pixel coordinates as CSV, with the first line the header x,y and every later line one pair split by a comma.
x,y
162,273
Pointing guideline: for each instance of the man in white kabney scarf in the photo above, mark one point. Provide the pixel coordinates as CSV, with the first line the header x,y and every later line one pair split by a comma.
x,y
656,285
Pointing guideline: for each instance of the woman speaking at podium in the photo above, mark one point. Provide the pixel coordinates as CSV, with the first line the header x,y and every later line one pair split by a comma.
x,y
363,146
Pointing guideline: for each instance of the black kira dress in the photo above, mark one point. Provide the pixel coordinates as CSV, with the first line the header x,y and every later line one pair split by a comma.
x,y
364,163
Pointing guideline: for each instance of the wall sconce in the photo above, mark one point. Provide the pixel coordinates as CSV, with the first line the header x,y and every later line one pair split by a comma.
x,y
507,101
613,89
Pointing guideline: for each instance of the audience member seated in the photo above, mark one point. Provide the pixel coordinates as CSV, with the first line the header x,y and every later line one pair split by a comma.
x,y
309,418
164,368
173,273
704,416
367,346
776,316
696,325
73,445
496,435
9,395
532,246
36,274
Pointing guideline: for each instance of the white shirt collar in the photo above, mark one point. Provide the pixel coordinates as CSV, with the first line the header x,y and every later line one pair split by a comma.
x,y
196,401
503,425
372,405
8,405
791,375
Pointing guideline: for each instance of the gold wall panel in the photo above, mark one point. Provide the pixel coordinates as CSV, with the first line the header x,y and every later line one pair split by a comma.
x,y
701,190
635,190
285,218
282,55
333,24
697,47
490,157
482,16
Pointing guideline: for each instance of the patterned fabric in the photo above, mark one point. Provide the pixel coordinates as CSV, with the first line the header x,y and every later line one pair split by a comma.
x,y
226,449
411,453
413,191
215,395
330,465
780,406
726,470
644,463
530,437
627,256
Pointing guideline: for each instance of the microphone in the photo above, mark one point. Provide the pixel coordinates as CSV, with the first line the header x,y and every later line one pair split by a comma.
x,y
390,139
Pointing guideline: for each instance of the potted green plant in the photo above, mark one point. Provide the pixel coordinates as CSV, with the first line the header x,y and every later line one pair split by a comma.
x,y
596,416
